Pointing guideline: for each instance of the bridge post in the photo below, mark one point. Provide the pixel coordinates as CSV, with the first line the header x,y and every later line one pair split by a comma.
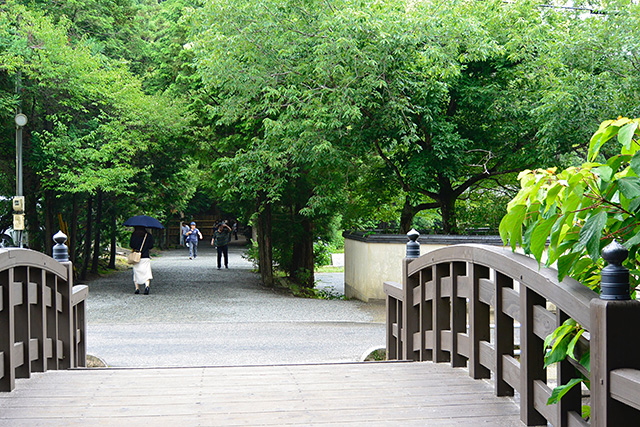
x,y
65,325
613,315
7,333
410,315
60,250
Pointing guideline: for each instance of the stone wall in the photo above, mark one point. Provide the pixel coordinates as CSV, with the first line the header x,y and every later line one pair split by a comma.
x,y
371,260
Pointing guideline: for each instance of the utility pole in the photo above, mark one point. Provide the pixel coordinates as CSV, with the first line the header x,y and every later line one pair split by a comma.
x,y
18,200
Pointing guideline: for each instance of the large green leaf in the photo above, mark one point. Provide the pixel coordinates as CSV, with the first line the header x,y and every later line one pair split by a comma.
x,y
511,225
572,345
635,240
635,163
625,134
559,350
605,173
599,138
540,235
565,262
591,232
552,193
560,391
629,187
585,361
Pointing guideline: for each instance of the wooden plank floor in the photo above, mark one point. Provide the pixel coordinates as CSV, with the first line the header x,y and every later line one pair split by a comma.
x,y
351,394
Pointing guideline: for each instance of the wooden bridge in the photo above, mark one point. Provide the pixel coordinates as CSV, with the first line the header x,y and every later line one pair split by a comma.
x,y
369,394
443,312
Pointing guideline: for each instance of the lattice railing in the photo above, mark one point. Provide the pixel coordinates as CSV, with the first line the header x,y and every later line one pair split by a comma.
x,y
489,309
42,316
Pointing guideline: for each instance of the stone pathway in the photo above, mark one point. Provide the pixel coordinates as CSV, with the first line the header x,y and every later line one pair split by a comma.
x,y
197,315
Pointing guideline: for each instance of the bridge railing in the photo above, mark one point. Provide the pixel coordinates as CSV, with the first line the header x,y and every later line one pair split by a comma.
x,y
42,316
489,309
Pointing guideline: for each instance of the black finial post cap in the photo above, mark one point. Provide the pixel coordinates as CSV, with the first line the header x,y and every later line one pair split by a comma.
x,y
614,253
614,282
60,250
413,246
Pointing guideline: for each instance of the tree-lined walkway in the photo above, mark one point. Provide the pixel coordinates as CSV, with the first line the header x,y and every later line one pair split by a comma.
x,y
197,315
365,394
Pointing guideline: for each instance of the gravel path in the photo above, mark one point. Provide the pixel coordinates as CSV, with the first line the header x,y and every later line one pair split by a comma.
x,y
197,315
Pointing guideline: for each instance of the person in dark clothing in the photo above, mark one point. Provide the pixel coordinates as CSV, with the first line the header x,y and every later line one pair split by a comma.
x,y
142,241
220,240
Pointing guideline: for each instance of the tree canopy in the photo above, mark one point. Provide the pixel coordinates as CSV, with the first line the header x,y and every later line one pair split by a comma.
x,y
293,113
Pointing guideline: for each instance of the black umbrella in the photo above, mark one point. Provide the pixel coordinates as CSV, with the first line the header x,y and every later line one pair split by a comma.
x,y
143,221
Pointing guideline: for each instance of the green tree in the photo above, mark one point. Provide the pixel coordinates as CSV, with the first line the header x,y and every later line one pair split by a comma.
x,y
94,138
579,210
255,65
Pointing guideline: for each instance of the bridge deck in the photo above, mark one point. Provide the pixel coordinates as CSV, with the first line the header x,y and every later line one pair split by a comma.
x,y
391,393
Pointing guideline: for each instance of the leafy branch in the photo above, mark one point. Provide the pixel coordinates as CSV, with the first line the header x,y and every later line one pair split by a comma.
x,y
578,211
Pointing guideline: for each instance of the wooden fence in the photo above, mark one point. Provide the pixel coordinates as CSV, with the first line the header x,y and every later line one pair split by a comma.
x,y
42,316
464,305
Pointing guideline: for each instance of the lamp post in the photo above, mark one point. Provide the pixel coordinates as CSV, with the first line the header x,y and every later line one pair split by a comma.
x,y
18,201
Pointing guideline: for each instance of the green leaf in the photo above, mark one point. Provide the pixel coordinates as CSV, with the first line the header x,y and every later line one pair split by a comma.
x,y
604,172
561,338
559,332
565,262
560,391
540,235
552,193
511,225
581,265
629,187
572,344
625,134
599,138
635,163
585,361
635,240
634,205
616,161
591,232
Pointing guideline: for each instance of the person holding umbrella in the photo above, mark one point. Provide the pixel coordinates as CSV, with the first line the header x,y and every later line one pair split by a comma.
x,y
142,240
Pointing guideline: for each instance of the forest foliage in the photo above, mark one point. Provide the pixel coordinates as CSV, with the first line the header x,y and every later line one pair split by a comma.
x,y
299,117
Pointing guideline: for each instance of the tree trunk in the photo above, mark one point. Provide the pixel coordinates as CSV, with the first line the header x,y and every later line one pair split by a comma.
x,y
73,238
87,239
448,209
32,193
96,241
265,250
406,217
447,206
302,266
34,235
48,222
112,251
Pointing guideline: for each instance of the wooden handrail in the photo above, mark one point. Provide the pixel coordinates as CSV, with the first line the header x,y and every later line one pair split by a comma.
x,y
569,295
42,316
625,384
464,304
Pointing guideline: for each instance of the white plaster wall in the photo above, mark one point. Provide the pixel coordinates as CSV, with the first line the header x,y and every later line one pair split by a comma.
x,y
368,265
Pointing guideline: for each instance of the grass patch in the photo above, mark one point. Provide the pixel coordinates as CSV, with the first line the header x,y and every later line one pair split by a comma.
x,y
329,269
377,355
285,285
